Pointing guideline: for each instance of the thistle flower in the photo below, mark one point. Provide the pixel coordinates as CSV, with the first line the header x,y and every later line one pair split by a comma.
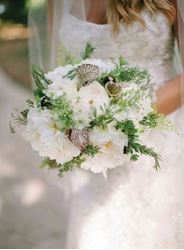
x,y
17,119
86,74
79,137
113,88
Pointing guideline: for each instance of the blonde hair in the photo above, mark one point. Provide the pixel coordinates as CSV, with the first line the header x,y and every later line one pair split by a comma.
x,y
129,11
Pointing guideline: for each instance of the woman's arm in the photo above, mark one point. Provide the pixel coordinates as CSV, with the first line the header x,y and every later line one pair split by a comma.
x,y
169,96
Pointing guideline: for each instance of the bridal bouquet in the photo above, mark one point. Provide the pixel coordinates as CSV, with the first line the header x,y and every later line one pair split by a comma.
x,y
90,115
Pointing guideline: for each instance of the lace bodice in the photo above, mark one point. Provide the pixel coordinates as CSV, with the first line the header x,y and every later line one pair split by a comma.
x,y
150,46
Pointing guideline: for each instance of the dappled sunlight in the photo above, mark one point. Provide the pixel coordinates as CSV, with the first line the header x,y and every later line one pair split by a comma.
x,y
31,191
14,31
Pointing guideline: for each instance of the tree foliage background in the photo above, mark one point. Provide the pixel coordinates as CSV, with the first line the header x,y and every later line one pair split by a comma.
x,y
14,11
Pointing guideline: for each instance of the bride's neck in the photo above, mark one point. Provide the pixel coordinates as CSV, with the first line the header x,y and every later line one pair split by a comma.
x,y
97,12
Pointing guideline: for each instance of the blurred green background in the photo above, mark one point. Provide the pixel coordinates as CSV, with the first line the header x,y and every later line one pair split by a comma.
x,y
14,35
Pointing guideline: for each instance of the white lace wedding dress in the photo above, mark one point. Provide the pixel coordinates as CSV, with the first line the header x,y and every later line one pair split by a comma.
x,y
136,207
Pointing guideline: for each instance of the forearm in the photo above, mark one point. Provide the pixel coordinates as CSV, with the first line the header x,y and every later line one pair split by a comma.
x,y
169,96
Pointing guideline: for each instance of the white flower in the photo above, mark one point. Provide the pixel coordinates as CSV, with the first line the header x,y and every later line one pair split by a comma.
x,y
142,108
145,107
111,143
103,66
58,73
88,98
61,84
66,86
46,139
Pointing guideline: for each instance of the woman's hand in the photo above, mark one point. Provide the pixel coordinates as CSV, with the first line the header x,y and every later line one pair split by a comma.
x,y
169,96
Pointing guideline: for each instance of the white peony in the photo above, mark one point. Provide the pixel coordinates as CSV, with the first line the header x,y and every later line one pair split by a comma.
x,y
111,143
46,139
61,84
66,86
88,98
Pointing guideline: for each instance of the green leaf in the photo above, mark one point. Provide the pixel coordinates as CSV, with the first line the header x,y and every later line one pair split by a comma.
x,y
66,57
88,51
40,80
159,121
134,148
62,113
150,120
90,150
124,73
71,74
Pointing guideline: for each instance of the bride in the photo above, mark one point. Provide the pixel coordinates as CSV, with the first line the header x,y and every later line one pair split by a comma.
x,y
136,207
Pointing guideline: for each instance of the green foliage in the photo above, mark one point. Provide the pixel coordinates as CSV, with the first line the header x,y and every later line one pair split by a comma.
x,y
159,121
71,74
66,57
40,80
63,113
62,110
15,11
104,119
49,163
151,120
90,150
88,51
134,148
122,62
41,84
128,99
124,73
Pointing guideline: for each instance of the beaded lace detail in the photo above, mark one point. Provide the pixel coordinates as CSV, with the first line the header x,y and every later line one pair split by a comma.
x,y
150,46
